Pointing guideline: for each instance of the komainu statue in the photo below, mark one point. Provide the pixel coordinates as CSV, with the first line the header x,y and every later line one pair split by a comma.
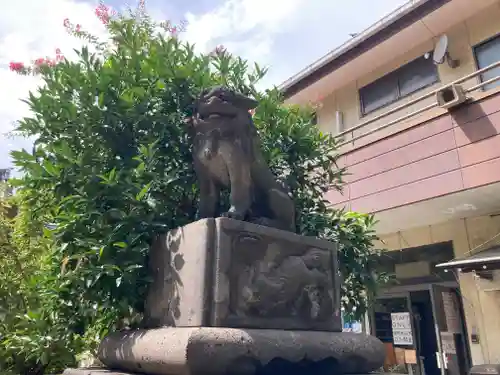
x,y
226,153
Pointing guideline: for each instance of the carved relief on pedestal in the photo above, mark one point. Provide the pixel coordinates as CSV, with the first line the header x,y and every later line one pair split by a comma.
x,y
277,283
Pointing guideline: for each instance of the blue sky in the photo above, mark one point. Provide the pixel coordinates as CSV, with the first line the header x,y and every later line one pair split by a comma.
x,y
285,35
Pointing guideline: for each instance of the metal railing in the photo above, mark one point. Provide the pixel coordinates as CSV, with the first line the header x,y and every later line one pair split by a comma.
x,y
414,101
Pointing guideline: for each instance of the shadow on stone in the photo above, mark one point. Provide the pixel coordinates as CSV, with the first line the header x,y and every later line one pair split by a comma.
x,y
166,261
279,366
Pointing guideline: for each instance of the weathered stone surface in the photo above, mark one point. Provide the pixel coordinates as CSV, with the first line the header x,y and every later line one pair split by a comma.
x,y
269,278
217,351
180,264
226,153
264,371
229,273
92,371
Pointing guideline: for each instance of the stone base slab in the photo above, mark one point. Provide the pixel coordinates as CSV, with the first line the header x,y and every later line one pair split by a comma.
x,y
221,351
92,371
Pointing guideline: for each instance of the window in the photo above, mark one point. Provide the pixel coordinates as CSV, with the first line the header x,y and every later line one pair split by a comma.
x,y
404,81
488,53
314,119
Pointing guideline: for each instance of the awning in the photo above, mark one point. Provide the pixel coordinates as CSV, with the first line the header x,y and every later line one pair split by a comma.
x,y
485,260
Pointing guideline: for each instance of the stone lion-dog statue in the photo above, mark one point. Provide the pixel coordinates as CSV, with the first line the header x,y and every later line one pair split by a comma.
x,y
227,154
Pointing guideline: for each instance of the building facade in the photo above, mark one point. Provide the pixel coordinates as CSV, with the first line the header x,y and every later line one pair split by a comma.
x,y
428,169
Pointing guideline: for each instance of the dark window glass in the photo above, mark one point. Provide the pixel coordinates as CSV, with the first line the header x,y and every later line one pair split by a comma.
x,y
486,54
416,75
404,81
379,93
314,119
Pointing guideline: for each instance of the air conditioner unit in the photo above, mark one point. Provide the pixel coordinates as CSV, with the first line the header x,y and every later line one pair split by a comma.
x,y
451,96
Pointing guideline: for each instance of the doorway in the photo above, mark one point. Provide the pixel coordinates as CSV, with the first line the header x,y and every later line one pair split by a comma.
x,y
425,334
423,331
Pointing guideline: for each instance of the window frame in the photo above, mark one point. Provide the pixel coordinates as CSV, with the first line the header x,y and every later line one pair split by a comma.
x,y
476,61
314,118
394,75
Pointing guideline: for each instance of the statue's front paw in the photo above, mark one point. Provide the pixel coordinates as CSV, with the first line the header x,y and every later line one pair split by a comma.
x,y
234,214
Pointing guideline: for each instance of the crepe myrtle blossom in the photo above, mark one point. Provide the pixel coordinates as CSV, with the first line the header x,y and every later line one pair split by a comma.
x,y
105,14
16,66
37,64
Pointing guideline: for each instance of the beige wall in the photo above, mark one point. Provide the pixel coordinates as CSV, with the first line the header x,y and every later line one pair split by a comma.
x,y
481,302
461,39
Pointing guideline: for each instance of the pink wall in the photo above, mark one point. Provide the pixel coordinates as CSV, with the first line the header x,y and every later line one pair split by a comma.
x,y
457,151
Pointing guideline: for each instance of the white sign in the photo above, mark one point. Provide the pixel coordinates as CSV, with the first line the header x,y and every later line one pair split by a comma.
x,y
401,329
448,343
451,312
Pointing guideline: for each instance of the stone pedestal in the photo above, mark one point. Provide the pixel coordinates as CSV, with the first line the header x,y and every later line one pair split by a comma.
x,y
230,297
228,273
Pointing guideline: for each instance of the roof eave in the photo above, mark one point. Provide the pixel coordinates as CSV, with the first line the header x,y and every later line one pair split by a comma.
x,y
390,25
474,263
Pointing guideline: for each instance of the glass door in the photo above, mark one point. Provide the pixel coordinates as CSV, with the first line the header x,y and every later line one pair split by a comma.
x,y
392,323
452,356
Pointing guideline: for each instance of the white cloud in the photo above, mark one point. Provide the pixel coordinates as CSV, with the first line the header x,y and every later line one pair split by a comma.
x,y
236,17
245,27
31,29
285,35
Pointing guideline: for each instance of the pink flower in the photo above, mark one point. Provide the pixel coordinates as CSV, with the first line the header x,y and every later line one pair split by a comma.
x,y
16,66
102,7
59,55
102,12
78,27
66,22
39,61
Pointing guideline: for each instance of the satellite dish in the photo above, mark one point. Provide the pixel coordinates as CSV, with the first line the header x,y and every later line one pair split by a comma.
x,y
440,50
441,54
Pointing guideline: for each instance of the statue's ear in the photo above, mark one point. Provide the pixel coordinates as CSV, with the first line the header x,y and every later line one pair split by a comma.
x,y
244,102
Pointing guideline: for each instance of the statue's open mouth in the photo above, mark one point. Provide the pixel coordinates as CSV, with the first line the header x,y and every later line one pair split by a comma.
x,y
216,115
215,107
